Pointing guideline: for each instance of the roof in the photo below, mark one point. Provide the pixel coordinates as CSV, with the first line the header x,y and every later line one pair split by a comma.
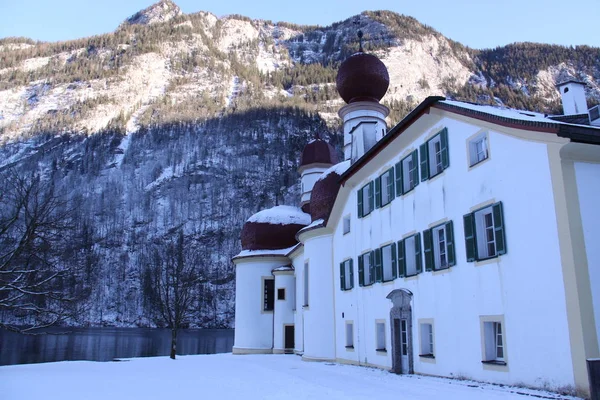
x,y
571,81
318,151
503,116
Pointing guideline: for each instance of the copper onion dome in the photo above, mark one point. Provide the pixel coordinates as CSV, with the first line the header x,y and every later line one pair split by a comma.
x,y
318,151
273,229
362,77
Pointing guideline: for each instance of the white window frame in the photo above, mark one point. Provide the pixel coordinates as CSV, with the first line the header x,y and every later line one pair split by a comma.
x,y
493,335
436,165
386,180
407,173
478,149
367,207
346,224
485,233
387,264
349,333
410,255
366,262
348,284
440,247
380,338
426,335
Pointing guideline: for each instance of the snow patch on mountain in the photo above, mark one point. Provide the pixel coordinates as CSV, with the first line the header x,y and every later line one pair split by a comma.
x,y
162,11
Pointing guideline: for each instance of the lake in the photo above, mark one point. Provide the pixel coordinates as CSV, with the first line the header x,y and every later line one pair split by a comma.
x,y
107,344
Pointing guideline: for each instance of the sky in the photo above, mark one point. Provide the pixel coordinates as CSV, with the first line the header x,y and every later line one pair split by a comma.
x,y
475,23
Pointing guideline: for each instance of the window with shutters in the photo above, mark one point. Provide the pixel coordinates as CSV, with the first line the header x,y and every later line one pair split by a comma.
x,y
366,269
438,246
494,340
346,224
365,200
485,233
409,256
380,335
426,330
346,275
349,335
478,149
384,188
407,173
268,294
434,155
385,263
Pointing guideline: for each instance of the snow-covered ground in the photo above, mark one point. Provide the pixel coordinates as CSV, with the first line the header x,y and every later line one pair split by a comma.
x,y
225,376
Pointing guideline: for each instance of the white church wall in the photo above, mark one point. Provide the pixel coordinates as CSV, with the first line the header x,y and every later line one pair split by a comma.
x,y
588,187
284,308
253,325
298,263
524,287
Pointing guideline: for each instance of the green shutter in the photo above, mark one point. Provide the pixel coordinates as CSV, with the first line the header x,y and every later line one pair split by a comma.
x,y
378,192
470,241
371,267
394,262
428,249
415,171
390,184
342,277
360,203
399,179
418,254
401,259
499,233
450,243
444,146
351,274
424,161
361,271
371,196
378,266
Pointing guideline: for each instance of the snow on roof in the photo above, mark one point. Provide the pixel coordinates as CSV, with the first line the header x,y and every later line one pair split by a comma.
x,y
511,113
316,224
338,168
283,268
258,253
281,215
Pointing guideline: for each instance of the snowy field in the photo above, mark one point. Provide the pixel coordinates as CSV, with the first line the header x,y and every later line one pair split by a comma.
x,y
224,376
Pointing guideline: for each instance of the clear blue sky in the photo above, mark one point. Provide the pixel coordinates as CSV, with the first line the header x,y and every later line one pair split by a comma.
x,y
478,24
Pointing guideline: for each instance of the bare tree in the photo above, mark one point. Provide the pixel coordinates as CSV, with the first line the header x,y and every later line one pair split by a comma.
x,y
174,277
34,225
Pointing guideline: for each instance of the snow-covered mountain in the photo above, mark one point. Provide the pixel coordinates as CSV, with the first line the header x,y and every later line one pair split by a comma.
x,y
195,122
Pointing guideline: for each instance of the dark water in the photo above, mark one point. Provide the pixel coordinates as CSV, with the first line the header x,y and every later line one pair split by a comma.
x,y
106,344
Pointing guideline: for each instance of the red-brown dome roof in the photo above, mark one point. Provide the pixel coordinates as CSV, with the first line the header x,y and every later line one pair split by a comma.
x,y
273,229
325,191
318,151
362,77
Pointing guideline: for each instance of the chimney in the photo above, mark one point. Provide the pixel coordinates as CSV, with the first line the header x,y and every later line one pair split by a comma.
x,y
572,93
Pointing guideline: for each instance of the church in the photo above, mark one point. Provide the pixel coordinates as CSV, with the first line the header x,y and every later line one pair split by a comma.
x,y
462,242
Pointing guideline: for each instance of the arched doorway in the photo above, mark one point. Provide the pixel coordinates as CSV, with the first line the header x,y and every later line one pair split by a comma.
x,y
401,325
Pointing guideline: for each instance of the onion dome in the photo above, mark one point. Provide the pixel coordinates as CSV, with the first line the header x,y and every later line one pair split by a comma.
x,y
273,229
325,191
362,77
318,151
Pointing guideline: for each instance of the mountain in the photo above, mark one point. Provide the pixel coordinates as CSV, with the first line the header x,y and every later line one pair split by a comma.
x,y
189,122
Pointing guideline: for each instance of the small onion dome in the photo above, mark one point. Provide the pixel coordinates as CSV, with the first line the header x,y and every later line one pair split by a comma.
x,y
325,191
274,228
318,151
362,77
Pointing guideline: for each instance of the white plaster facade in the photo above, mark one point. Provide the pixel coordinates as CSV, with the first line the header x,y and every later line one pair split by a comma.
x,y
544,291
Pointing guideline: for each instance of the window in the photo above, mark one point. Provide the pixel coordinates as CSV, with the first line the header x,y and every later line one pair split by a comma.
x,y
305,284
268,294
434,155
281,294
485,233
478,150
494,344
365,200
349,335
384,188
407,174
426,340
366,269
346,224
346,275
385,263
409,255
438,247
380,336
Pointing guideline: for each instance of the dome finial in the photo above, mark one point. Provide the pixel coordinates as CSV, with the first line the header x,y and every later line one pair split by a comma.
x,y
360,36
